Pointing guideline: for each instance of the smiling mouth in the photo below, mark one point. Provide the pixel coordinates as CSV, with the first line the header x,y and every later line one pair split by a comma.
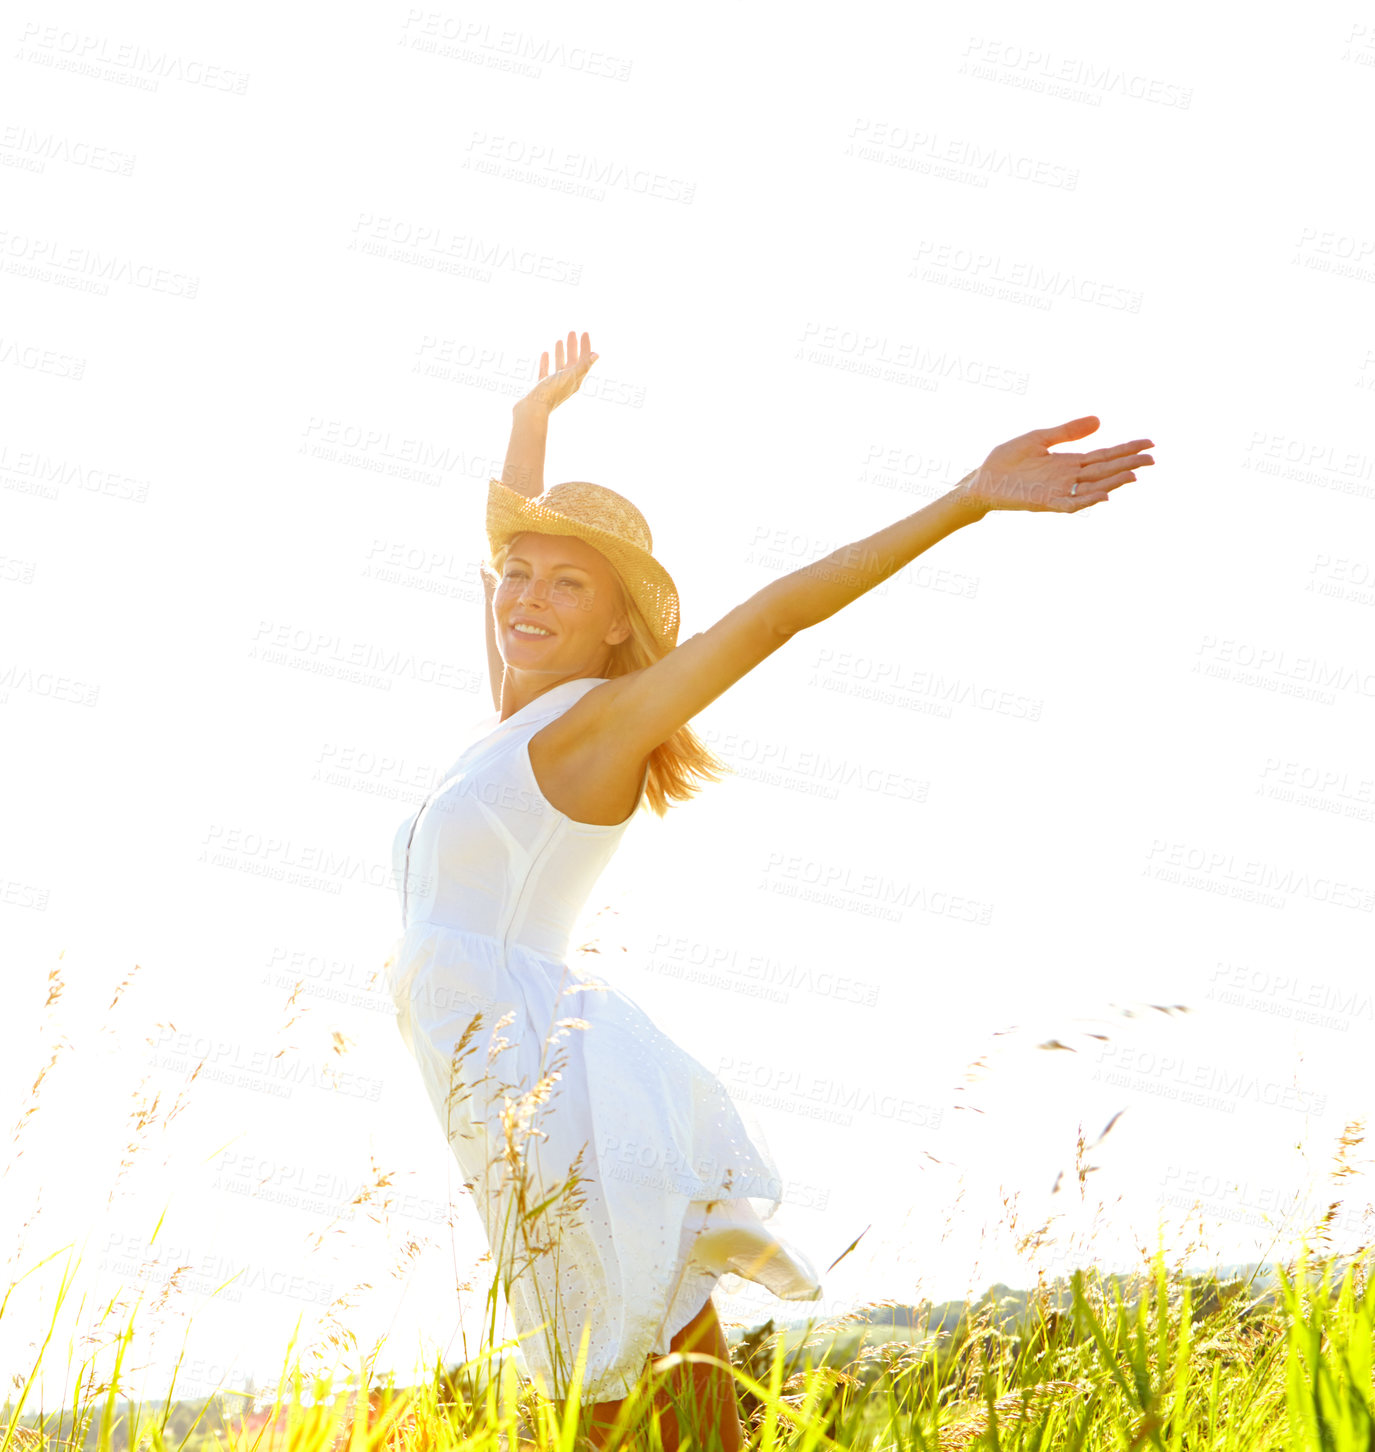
x,y
532,632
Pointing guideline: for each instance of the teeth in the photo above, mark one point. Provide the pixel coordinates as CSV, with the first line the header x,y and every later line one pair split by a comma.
x,y
531,630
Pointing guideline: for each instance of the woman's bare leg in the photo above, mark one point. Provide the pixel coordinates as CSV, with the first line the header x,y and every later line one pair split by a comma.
x,y
708,1390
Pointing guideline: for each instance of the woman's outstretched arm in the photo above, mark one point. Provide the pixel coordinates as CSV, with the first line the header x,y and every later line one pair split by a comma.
x,y
634,713
523,470
1020,474
815,592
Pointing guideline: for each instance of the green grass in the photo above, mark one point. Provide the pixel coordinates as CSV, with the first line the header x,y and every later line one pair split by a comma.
x,y
1161,1361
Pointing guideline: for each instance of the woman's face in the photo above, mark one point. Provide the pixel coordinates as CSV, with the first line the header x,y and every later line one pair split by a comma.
x,y
564,592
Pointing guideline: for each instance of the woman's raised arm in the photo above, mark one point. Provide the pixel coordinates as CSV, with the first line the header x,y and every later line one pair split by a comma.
x,y
523,470
641,710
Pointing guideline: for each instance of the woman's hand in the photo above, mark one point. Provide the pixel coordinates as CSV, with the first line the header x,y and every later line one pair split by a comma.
x,y
1024,474
553,388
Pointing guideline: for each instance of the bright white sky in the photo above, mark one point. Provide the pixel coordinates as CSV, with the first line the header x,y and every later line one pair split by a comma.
x,y
827,268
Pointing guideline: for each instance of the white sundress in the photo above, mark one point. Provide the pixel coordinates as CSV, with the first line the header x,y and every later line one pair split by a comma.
x,y
616,1194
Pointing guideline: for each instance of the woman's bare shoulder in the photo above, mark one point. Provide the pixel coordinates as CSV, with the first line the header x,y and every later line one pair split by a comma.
x,y
582,766
640,710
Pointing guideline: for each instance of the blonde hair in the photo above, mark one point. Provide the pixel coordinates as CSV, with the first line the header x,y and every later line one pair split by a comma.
x,y
678,766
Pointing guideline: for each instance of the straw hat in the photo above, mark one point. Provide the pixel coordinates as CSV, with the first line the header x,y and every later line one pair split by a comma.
x,y
608,522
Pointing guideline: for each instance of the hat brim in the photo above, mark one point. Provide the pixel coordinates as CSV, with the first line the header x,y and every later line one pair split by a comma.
x,y
648,583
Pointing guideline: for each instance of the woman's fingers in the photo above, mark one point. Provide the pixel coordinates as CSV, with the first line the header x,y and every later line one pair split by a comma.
x,y
1096,473
1096,492
1092,490
1116,451
569,355
1072,505
571,363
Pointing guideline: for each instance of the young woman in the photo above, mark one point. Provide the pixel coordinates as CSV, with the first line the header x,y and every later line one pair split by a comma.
x,y
614,1176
